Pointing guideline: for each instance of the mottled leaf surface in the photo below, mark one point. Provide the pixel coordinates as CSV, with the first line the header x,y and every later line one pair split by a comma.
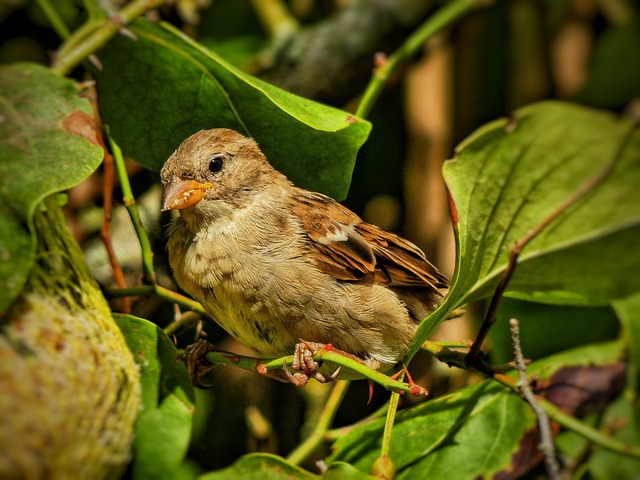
x,y
47,145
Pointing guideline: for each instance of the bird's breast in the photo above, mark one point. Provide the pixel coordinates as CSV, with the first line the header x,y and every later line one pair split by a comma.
x,y
244,280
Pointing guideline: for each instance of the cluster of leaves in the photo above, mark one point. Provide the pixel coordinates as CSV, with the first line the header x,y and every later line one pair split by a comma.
x,y
156,86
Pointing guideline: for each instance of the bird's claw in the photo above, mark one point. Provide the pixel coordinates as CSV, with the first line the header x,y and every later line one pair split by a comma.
x,y
306,367
196,363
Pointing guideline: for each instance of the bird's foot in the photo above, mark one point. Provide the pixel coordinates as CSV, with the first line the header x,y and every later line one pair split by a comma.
x,y
306,367
197,365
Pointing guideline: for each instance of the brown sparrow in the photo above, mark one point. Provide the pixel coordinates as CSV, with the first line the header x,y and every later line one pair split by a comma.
x,y
274,264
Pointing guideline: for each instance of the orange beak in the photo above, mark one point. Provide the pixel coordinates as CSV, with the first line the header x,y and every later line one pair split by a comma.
x,y
181,194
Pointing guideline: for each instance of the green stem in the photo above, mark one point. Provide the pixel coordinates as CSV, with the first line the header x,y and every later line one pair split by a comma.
x,y
388,425
159,291
253,363
149,274
54,19
457,359
443,18
78,36
100,36
307,447
590,433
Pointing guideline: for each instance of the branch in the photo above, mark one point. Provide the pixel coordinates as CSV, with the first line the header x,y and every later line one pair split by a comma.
x,y
443,18
547,446
85,44
324,355
159,291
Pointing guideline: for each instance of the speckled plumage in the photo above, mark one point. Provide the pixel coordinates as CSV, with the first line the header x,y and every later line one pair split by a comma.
x,y
273,263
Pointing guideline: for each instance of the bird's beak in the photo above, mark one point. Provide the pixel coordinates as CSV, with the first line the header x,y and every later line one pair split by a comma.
x,y
181,193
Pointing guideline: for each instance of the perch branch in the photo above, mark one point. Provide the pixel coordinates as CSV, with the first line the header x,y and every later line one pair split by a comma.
x,y
324,355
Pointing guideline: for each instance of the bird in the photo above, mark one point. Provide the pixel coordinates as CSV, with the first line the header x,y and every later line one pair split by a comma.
x,y
286,270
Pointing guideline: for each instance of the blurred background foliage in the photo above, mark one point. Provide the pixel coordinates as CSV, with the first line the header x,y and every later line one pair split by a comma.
x,y
504,55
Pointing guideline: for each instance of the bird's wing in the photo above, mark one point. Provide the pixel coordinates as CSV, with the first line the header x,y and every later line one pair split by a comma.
x,y
344,246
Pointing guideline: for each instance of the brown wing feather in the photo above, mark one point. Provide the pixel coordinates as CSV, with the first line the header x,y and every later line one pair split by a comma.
x,y
326,221
350,249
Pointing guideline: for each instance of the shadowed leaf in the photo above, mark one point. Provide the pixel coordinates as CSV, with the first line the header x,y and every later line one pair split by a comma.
x,y
162,87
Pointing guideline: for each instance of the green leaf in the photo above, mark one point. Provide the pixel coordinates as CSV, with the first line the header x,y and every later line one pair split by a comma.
x,y
260,466
162,87
163,429
47,144
485,424
510,176
547,329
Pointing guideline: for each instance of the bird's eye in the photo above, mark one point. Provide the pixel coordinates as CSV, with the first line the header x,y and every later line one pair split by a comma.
x,y
216,162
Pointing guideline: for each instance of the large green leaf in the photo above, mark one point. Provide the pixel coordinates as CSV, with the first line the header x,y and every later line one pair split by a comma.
x,y
512,174
163,429
161,87
476,432
47,144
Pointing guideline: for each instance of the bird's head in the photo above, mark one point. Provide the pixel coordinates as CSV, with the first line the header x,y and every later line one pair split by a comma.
x,y
214,170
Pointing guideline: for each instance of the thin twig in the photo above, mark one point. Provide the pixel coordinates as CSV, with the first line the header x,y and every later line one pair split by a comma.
x,y
149,275
158,291
388,425
332,404
443,18
547,446
384,466
105,233
182,320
